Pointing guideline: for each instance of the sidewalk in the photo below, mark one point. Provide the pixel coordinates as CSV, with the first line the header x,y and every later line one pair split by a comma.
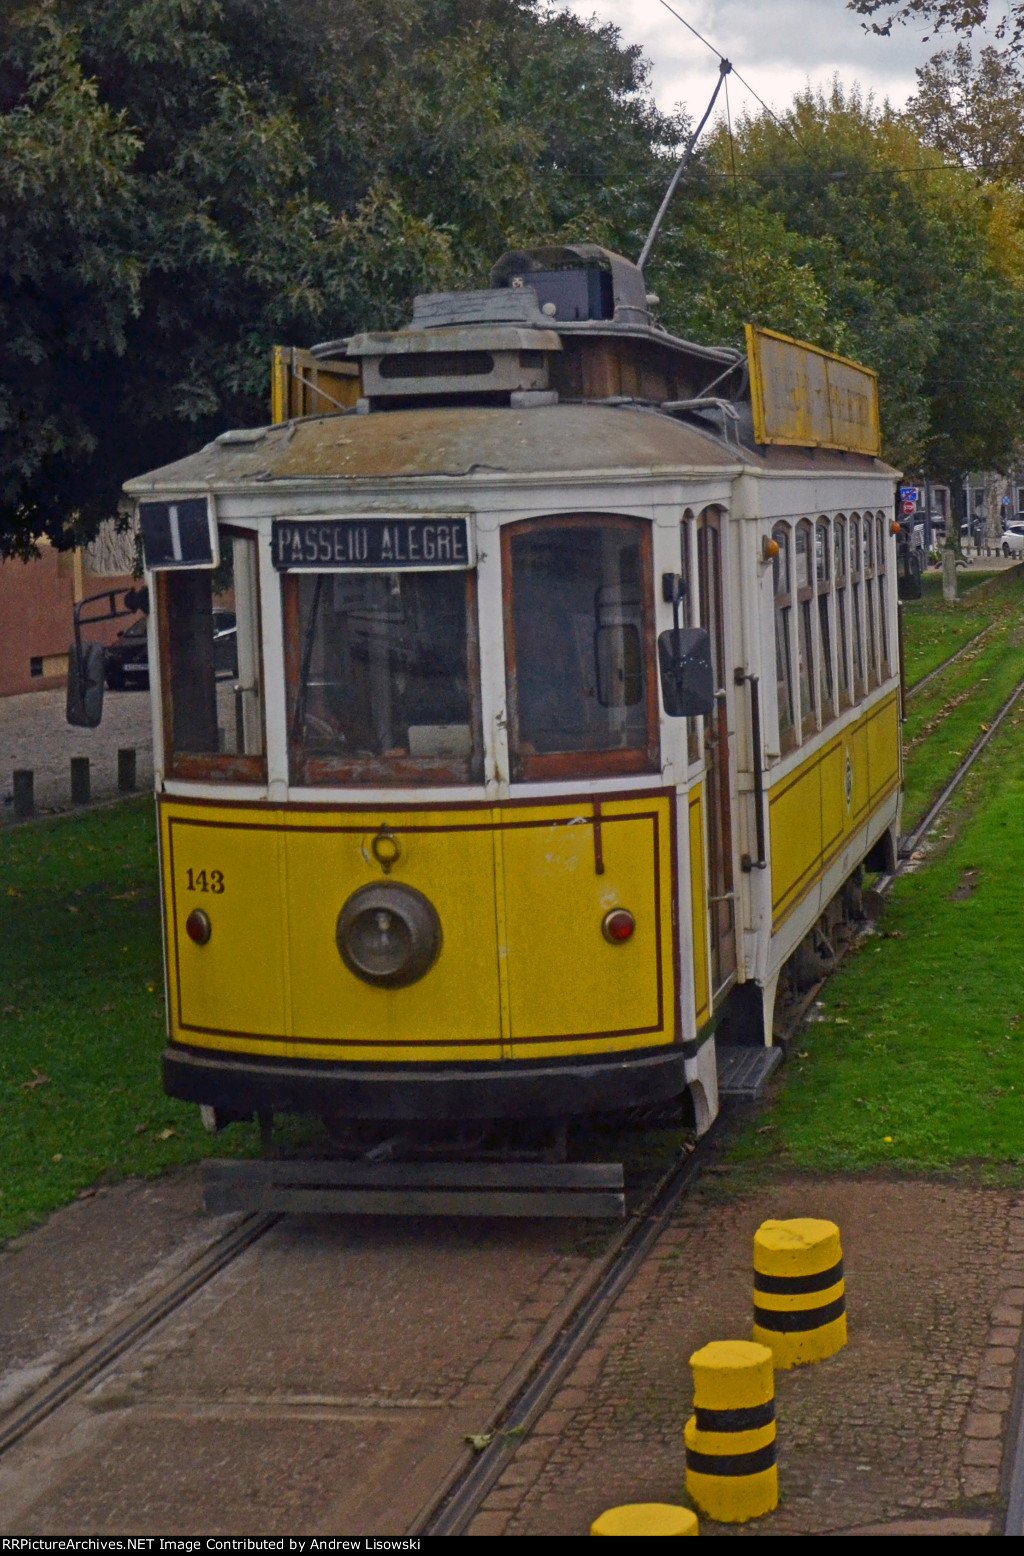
x,y
909,1427
34,733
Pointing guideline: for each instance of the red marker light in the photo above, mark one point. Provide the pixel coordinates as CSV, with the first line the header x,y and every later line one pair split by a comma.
x,y
618,925
198,926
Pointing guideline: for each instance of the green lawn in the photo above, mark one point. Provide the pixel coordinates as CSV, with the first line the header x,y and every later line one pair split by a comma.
x,y
933,630
917,1061
82,1013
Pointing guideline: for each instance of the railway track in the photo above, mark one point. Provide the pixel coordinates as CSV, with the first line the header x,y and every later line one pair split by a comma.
x,y
950,659
544,1366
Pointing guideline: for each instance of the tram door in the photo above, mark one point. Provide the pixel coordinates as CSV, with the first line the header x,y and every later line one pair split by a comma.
x,y
721,892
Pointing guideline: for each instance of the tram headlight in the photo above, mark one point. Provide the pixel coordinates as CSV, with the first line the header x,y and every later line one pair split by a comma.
x,y
198,926
618,925
388,934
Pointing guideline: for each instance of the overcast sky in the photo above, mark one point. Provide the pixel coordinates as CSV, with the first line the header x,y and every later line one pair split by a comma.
x,y
778,45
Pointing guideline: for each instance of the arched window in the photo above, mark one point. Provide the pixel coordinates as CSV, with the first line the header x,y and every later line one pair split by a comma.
x,y
822,584
842,614
881,580
805,625
870,614
783,659
858,683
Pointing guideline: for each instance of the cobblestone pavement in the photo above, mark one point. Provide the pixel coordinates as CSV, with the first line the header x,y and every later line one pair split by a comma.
x,y
903,1428
35,734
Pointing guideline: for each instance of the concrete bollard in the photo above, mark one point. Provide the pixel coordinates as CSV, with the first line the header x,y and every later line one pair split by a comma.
x,y
24,792
799,1293
731,1472
79,780
646,1518
126,770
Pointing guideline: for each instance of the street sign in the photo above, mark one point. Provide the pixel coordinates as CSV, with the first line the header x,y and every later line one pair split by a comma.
x,y
909,493
907,507
1006,502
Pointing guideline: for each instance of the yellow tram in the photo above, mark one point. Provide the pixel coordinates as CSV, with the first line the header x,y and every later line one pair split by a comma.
x,y
561,700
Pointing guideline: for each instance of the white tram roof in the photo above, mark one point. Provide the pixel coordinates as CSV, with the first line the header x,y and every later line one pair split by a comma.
x,y
482,442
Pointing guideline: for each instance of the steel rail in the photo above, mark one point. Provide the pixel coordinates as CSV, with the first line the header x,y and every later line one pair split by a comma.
x,y
76,1374
938,805
918,686
455,1503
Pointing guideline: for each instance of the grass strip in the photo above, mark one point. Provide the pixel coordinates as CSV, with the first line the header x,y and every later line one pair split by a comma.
x,y
82,1014
932,630
915,1059
945,721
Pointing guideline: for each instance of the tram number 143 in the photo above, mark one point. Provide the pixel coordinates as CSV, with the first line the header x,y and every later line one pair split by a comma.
x,y
206,880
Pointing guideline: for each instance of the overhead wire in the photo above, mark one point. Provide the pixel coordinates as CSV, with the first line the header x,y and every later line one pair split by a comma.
x,y
946,167
719,55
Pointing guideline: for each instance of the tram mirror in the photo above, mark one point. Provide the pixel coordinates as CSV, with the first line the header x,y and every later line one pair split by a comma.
x,y
84,705
687,679
619,664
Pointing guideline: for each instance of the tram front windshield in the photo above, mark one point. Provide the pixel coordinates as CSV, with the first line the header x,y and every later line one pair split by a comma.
x,y
383,669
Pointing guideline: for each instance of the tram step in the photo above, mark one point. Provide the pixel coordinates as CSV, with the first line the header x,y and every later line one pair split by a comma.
x,y
589,1189
743,1072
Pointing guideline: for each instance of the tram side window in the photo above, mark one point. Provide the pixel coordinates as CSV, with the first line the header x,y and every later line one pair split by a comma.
x,y
783,662
842,615
212,675
883,604
859,679
869,598
822,579
379,677
579,641
805,629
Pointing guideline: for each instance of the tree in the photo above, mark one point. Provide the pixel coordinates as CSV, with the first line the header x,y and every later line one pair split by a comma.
x,y
957,15
895,259
972,110
71,279
261,170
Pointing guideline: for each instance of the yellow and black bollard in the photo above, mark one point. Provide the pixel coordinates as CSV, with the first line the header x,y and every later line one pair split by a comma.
x,y
799,1294
730,1438
646,1518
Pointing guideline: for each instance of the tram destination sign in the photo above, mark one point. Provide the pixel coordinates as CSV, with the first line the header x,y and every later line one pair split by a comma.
x,y
382,545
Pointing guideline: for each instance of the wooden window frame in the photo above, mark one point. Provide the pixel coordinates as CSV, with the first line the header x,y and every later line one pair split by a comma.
x,y
207,766
882,573
782,606
381,771
804,596
823,591
527,767
872,659
843,605
855,584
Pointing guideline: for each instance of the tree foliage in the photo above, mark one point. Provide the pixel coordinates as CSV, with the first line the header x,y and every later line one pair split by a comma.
x,y
972,110
837,224
187,181
955,15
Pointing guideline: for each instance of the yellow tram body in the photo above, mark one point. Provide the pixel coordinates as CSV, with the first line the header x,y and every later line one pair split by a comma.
x,y
523,705
522,974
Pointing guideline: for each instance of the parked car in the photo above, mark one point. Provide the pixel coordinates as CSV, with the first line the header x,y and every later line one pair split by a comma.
x,y
1013,540
127,659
